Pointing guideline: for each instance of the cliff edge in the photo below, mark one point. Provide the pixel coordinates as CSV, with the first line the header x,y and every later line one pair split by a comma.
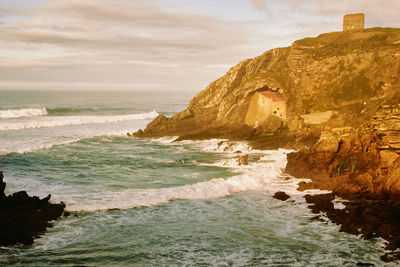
x,y
335,80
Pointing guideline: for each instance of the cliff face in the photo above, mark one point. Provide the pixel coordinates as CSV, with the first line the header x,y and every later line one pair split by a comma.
x,y
355,162
336,79
362,165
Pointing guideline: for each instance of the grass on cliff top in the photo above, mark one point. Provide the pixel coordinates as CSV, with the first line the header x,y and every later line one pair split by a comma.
x,y
341,43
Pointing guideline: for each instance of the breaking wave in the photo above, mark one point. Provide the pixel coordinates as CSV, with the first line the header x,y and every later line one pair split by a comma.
x,y
72,120
25,112
265,174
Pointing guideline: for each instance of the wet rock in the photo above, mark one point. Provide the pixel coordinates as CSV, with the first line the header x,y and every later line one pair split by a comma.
x,y
238,160
392,256
243,160
366,217
23,218
364,264
322,202
306,186
66,214
281,196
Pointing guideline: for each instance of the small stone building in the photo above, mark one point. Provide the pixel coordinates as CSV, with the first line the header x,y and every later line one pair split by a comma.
x,y
262,106
353,22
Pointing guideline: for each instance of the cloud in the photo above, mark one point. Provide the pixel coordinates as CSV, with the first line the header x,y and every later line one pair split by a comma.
x,y
119,41
139,43
258,3
378,12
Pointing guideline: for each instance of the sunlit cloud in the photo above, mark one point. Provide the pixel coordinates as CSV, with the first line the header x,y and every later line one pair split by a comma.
x,y
65,43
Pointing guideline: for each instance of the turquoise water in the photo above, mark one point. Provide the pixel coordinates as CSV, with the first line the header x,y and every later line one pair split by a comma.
x,y
154,202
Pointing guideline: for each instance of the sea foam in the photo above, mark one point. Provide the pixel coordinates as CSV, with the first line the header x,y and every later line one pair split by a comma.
x,y
264,174
25,112
72,120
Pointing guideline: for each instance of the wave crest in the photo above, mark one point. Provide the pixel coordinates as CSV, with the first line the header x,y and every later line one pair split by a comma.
x,y
261,175
73,120
24,112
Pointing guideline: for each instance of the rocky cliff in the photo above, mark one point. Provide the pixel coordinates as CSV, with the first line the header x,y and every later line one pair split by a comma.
x,y
363,162
24,218
341,97
334,80
362,165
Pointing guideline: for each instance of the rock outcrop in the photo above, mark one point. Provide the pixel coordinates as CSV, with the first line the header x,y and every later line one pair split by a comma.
x,y
362,165
338,95
366,217
23,218
355,162
334,80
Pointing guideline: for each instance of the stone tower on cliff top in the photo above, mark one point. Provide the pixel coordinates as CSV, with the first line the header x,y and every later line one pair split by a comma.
x,y
353,22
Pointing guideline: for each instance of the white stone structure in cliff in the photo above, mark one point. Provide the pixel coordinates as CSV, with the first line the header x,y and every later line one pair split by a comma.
x,y
262,106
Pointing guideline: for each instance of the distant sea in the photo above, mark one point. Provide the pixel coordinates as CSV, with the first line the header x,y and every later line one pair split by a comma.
x,y
154,202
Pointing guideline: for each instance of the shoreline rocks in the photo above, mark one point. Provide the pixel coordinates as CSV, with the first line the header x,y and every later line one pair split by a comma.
x,y
354,163
281,196
364,217
329,86
24,218
363,166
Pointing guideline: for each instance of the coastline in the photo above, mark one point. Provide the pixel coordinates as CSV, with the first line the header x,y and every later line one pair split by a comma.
x,y
333,98
230,148
24,218
369,214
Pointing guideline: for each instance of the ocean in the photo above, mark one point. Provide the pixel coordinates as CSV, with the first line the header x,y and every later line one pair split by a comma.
x,y
155,202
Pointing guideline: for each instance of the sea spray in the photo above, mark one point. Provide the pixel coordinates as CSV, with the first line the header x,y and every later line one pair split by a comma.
x,y
24,112
265,174
72,120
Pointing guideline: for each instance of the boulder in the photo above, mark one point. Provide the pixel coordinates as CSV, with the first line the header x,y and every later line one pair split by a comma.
x,y
281,196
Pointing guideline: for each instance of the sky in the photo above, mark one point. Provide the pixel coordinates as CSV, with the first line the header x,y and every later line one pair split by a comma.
x,y
163,45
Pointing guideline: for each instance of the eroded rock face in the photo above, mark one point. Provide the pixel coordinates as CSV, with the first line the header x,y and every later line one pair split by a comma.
x,y
335,80
23,218
353,162
362,165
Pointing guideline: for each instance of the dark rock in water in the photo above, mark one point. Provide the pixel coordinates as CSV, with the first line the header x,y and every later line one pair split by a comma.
x,y
366,217
320,202
23,218
364,264
66,214
281,196
391,256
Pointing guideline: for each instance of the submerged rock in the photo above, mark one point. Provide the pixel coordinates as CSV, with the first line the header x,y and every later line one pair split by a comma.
x,y
281,196
23,218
